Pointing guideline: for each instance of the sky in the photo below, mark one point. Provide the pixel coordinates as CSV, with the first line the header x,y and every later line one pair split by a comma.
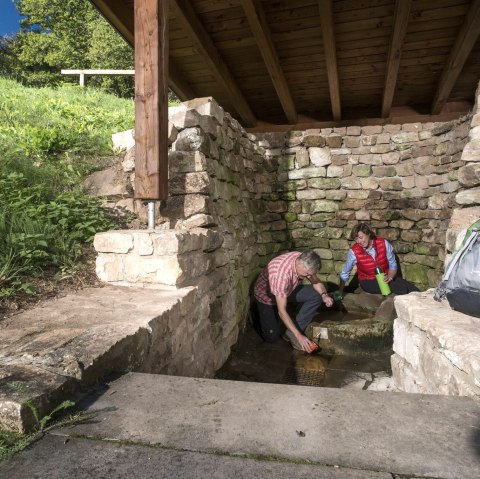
x,y
9,18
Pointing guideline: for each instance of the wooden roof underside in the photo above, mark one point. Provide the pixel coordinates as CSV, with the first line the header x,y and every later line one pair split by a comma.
x,y
278,64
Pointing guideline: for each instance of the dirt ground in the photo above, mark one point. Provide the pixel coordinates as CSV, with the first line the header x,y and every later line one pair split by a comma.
x,y
49,285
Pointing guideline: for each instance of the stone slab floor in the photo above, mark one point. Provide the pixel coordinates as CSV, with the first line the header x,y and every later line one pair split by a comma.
x,y
166,426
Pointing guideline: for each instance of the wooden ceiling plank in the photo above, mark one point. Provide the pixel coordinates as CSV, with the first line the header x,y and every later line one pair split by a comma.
x,y
464,44
326,20
259,26
400,22
193,27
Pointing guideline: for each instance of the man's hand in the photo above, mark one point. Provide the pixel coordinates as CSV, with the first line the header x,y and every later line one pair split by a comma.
x,y
307,345
328,300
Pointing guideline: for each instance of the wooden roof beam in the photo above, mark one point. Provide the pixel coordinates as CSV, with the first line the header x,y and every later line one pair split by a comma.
x,y
326,21
464,43
193,28
121,18
400,22
261,31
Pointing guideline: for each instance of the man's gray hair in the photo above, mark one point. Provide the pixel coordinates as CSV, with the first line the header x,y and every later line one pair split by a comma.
x,y
310,260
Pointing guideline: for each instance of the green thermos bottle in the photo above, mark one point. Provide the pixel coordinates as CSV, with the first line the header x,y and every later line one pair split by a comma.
x,y
384,287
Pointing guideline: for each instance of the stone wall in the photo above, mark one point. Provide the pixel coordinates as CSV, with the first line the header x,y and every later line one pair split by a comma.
x,y
403,180
237,199
218,227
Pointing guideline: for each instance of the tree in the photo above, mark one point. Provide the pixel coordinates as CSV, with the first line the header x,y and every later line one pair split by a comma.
x,y
70,34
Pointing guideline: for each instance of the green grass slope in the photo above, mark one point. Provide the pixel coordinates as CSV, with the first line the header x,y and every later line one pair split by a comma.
x,y
50,139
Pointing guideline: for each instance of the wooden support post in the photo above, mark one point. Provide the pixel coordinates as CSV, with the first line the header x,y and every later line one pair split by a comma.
x,y
82,79
151,99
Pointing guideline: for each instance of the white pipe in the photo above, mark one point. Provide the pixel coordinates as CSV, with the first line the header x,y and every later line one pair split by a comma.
x,y
151,215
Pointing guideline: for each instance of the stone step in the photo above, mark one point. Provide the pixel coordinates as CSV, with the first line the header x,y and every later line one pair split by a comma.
x,y
397,433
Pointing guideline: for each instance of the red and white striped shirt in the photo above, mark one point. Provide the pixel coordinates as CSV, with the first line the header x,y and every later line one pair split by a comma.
x,y
278,278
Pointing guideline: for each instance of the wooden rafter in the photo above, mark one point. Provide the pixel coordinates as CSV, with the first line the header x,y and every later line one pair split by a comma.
x,y
464,43
261,31
193,28
326,20
400,22
121,18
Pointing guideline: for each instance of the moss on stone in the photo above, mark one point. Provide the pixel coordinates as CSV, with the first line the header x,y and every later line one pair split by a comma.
x,y
290,217
416,273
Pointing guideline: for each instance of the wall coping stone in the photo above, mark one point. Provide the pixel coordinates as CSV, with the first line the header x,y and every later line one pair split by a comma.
x,y
455,335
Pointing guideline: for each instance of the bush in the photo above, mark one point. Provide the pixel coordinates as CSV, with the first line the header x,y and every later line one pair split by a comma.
x,y
49,141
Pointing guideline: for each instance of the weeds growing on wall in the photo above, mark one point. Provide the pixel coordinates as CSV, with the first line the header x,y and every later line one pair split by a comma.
x,y
49,141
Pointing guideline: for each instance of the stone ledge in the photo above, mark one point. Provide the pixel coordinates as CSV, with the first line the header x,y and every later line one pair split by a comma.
x,y
438,349
55,349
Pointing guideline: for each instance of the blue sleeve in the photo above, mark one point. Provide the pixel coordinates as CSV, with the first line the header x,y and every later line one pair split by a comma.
x,y
348,266
392,263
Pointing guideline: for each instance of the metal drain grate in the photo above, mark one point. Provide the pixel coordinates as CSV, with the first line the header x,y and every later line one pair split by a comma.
x,y
303,377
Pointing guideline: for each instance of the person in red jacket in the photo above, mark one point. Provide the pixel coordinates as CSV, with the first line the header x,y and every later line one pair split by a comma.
x,y
368,253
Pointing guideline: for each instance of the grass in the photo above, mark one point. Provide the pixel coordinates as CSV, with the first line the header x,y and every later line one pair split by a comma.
x,y
50,140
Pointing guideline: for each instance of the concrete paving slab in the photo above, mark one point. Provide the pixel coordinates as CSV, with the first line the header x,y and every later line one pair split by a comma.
x,y
423,435
56,457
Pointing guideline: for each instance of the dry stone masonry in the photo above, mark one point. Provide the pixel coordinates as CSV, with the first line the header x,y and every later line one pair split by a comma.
x,y
237,199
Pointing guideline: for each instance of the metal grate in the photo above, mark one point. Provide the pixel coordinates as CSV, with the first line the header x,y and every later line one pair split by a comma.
x,y
303,377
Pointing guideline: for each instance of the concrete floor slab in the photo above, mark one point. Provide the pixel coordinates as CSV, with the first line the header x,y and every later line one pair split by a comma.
x,y
416,435
58,457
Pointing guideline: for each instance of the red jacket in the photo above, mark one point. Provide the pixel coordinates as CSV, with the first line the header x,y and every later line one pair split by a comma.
x,y
366,264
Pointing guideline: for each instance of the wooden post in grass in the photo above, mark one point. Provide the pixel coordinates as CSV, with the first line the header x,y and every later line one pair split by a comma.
x,y
151,99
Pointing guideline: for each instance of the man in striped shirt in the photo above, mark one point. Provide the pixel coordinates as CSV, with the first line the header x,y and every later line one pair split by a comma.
x,y
280,283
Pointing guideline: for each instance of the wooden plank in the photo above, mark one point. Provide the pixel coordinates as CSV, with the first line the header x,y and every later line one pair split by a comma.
x,y
400,22
326,20
151,99
189,21
120,18
467,36
259,26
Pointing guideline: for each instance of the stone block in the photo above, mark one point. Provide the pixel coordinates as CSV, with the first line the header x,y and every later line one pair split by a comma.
x,y
471,152
207,106
123,140
185,162
192,139
113,242
306,173
320,156
469,175
187,183
371,130
369,183
391,158
320,206
371,159
313,140
362,170
352,142
143,243
110,267
302,158
334,141
354,130
468,197
351,183
324,183
110,182
390,184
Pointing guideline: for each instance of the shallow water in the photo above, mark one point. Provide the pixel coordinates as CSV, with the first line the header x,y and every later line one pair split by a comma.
x,y
254,360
